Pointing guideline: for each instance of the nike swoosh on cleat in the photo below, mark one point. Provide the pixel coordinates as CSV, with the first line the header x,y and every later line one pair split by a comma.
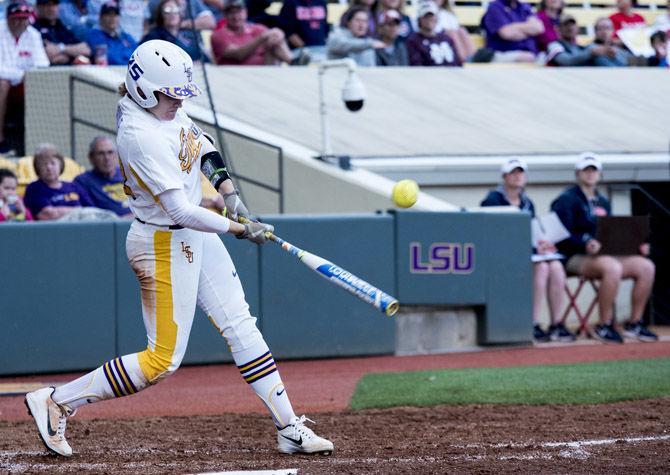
x,y
279,393
298,441
234,274
49,429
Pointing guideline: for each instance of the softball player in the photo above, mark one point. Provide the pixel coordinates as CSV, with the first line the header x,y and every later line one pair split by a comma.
x,y
179,260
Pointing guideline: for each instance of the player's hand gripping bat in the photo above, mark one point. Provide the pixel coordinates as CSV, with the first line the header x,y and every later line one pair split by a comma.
x,y
335,274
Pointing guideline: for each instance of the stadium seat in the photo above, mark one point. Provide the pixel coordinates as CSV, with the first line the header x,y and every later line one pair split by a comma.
x,y
573,304
8,164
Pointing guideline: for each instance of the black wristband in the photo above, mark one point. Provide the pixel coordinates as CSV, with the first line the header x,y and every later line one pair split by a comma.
x,y
214,168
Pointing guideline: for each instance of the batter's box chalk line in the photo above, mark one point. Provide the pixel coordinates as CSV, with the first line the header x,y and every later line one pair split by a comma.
x,y
287,471
569,449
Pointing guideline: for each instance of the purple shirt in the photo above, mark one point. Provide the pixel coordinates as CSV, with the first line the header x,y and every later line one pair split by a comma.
x,y
104,192
39,195
501,13
436,50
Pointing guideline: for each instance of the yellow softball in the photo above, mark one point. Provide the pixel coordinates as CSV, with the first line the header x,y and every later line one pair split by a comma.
x,y
405,193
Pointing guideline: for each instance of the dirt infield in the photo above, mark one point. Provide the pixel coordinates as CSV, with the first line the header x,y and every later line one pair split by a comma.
x,y
223,430
617,438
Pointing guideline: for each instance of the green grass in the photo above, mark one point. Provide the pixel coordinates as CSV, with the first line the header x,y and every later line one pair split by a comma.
x,y
586,383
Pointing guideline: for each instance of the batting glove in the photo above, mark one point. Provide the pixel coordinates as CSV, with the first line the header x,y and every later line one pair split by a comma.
x,y
234,206
256,232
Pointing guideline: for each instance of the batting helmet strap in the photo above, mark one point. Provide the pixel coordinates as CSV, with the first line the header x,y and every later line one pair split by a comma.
x,y
161,66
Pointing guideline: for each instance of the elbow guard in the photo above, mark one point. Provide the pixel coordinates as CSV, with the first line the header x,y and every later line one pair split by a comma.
x,y
214,168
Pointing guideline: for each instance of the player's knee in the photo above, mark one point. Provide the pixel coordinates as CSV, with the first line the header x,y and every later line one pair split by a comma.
x,y
242,333
156,367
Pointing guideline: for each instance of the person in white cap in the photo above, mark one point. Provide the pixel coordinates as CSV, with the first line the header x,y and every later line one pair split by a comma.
x,y
174,249
578,207
548,275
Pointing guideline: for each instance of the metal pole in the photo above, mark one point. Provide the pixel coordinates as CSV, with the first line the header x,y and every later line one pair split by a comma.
x,y
323,112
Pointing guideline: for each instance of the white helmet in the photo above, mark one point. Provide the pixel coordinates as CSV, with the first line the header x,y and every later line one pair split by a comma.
x,y
161,66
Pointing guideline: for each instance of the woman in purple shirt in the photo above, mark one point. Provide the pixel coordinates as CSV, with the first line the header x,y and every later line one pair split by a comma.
x,y
511,27
48,198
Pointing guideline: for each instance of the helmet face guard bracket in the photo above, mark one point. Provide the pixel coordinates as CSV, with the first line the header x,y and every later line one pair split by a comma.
x,y
160,66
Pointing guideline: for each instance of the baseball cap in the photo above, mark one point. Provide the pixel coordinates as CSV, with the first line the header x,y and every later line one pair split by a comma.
x,y
512,164
426,7
389,16
229,4
566,18
588,159
19,10
109,7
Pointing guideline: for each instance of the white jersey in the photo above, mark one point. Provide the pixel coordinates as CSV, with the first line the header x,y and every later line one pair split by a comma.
x,y
156,156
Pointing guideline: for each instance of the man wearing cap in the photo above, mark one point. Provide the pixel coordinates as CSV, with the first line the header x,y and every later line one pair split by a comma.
x,y
619,57
60,44
109,43
247,44
567,52
21,50
394,53
578,207
511,27
426,47
548,272
134,14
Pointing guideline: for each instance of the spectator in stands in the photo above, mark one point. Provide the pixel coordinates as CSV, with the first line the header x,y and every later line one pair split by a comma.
x,y
21,50
566,51
382,6
305,23
242,43
104,183
511,28
48,197
168,28
194,13
578,207
427,48
11,204
61,45
659,41
110,44
134,15
625,17
548,274
352,41
74,14
549,13
616,57
448,22
394,52
368,6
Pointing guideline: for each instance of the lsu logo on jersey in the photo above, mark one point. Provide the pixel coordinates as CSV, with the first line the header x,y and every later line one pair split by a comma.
x,y
190,148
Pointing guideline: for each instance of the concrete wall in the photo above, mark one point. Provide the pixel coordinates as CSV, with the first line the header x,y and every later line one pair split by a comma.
x,y
71,301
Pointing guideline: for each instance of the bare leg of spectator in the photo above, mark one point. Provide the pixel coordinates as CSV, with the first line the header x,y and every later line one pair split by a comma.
x,y
556,290
642,270
610,271
277,53
540,279
4,93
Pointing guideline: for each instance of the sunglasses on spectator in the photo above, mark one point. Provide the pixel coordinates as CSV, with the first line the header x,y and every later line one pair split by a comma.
x,y
171,10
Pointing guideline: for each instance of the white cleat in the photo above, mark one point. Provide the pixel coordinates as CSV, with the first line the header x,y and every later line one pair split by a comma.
x,y
297,438
50,419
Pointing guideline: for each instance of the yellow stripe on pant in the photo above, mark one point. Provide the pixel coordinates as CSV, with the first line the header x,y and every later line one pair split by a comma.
x,y
156,362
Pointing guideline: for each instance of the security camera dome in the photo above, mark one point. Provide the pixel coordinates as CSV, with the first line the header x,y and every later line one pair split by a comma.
x,y
353,93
